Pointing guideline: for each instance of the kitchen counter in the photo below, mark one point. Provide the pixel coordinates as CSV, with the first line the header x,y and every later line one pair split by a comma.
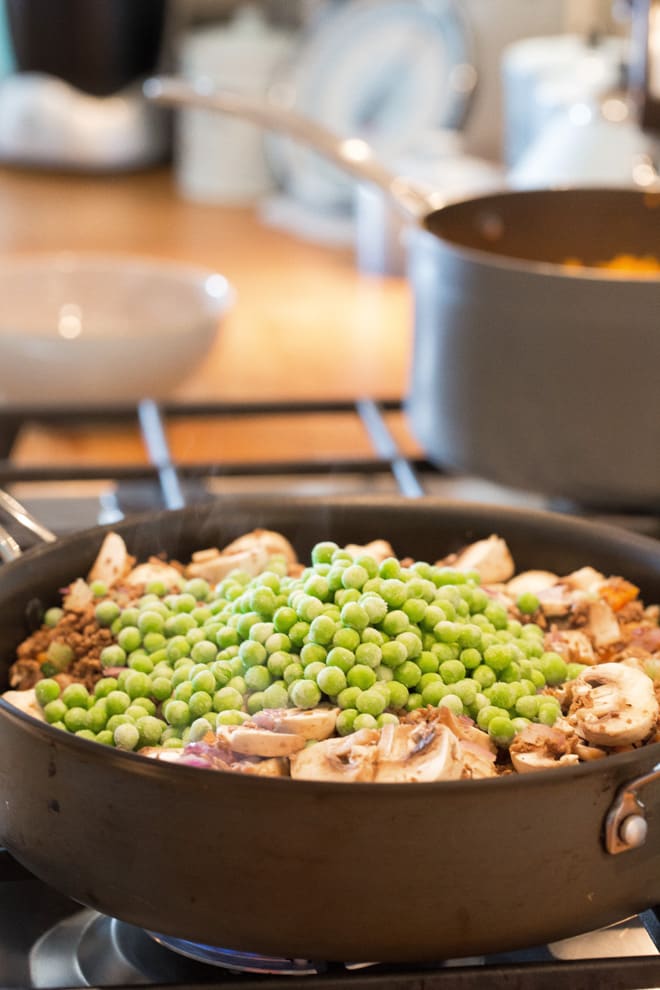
x,y
306,323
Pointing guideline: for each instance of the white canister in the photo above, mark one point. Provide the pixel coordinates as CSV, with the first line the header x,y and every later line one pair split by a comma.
x,y
540,75
220,159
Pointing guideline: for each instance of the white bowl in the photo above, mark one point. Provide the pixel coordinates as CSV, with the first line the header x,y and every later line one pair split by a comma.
x,y
94,329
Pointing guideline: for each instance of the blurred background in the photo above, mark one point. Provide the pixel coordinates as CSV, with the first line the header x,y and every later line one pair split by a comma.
x,y
236,269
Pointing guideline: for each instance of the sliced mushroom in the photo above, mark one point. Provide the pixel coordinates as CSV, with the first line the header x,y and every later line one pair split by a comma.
x,y
613,705
26,701
352,758
215,566
602,624
274,544
277,767
571,644
380,550
464,729
585,578
250,740
416,753
541,747
587,752
163,753
478,762
79,596
530,582
557,601
112,562
310,723
154,570
490,558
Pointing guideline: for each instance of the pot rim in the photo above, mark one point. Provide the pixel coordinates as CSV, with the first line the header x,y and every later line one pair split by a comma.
x,y
547,269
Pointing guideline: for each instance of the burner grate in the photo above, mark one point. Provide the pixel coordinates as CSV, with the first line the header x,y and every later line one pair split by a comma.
x,y
151,419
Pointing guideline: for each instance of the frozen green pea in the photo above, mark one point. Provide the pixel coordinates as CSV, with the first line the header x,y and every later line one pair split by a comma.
x,y
126,736
452,702
371,702
501,730
46,690
304,693
199,704
138,685
489,712
397,694
54,711
276,696
364,720
75,696
346,639
452,671
345,721
347,698
53,615
340,657
331,680
106,613
76,718
227,698
408,673
361,676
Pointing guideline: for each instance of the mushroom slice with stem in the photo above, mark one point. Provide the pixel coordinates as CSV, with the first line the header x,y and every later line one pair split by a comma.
x,y
352,758
541,747
421,752
613,705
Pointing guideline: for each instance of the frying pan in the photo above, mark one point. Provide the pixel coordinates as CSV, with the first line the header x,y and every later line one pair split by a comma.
x,y
523,372
395,872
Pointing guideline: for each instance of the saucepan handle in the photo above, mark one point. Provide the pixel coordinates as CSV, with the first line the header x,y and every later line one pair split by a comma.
x,y
9,548
352,155
626,826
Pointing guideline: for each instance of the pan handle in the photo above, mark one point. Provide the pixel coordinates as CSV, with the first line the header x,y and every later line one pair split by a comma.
x,y
352,155
625,823
9,548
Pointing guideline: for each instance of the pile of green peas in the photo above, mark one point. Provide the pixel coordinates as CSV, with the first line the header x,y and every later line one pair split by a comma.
x,y
376,639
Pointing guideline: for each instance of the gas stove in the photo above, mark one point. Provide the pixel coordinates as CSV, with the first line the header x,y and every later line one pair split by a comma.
x,y
49,941
46,940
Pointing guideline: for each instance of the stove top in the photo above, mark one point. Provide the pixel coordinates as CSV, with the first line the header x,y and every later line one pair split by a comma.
x,y
47,940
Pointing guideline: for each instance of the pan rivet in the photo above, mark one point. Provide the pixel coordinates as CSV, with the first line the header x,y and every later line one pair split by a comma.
x,y
633,831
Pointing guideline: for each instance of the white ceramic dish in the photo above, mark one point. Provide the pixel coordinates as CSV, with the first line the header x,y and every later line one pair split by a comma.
x,y
103,328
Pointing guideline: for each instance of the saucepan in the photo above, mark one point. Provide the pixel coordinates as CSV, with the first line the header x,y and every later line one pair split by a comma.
x,y
315,869
531,367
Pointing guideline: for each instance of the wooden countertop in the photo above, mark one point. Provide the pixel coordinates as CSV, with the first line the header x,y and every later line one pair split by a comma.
x,y
306,323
